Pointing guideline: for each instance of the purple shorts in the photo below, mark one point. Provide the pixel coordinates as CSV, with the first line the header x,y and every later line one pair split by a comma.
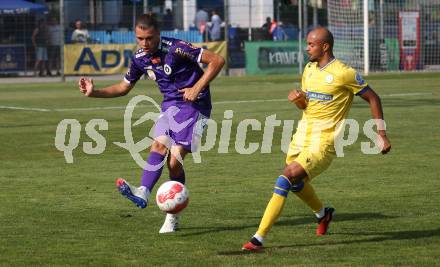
x,y
182,125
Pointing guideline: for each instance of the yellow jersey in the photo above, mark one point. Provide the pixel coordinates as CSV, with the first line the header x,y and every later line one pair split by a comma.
x,y
329,92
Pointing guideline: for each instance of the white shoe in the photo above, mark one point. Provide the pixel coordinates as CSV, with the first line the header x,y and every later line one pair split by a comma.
x,y
170,224
138,196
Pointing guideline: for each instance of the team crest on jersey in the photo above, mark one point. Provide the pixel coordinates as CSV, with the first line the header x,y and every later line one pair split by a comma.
x,y
167,69
151,75
359,79
329,78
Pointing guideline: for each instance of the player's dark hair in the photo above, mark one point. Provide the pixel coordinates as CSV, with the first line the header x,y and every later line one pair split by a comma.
x,y
146,22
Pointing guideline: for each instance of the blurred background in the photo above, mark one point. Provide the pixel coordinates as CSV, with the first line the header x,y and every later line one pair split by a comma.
x,y
74,37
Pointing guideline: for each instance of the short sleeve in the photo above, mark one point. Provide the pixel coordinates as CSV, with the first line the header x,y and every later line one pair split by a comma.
x,y
134,73
303,78
186,51
354,82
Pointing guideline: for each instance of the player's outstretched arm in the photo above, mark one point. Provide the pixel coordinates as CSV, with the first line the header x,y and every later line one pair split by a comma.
x,y
215,64
87,87
376,110
298,97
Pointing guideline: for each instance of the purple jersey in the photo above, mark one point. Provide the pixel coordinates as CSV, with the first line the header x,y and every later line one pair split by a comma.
x,y
174,66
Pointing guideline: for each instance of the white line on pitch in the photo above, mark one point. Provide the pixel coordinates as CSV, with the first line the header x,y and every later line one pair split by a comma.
x,y
214,103
408,94
27,109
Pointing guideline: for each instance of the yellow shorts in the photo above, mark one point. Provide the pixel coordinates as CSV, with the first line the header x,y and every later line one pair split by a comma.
x,y
312,162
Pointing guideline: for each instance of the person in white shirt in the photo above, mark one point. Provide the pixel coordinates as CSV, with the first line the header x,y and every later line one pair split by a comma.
x,y
80,35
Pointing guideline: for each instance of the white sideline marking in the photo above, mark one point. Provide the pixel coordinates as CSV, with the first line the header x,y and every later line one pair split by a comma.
x,y
27,109
95,108
408,94
249,101
214,103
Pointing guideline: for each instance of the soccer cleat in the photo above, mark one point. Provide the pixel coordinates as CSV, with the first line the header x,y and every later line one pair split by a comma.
x,y
138,196
251,247
324,222
170,224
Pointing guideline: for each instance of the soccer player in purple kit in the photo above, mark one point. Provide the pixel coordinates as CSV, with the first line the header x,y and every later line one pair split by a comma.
x,y
174,65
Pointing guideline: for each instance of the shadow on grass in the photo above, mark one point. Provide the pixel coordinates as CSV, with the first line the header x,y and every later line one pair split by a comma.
x,y
339,217
286,222
378,237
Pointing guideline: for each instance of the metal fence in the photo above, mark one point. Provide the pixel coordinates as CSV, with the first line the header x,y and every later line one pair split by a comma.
x,y
34,34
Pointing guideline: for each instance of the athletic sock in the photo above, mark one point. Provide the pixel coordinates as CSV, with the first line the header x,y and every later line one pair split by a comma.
x,y
275,205
153,170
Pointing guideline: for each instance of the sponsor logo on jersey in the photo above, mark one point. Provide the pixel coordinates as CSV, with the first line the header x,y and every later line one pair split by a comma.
x,y
179,51
319,96
359,79
138,55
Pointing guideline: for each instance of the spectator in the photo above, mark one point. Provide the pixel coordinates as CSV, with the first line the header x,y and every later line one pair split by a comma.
x,y
278,33
168,21
200,20
54,30
39,40
215,27
80,34
266,29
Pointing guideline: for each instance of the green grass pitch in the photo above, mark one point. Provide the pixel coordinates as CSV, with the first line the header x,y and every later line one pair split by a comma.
x,y
58,214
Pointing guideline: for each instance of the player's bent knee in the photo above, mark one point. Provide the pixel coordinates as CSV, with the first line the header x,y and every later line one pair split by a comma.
x,y
159,148
294,172
297,187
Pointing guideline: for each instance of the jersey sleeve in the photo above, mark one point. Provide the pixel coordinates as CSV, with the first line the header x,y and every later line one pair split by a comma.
x,y
354,82
134,73
186,51
303,78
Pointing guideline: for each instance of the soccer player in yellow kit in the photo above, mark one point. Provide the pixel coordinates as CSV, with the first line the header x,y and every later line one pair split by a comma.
x,y
328,88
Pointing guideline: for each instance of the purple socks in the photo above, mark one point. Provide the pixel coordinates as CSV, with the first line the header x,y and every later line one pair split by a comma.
x,y
152,170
